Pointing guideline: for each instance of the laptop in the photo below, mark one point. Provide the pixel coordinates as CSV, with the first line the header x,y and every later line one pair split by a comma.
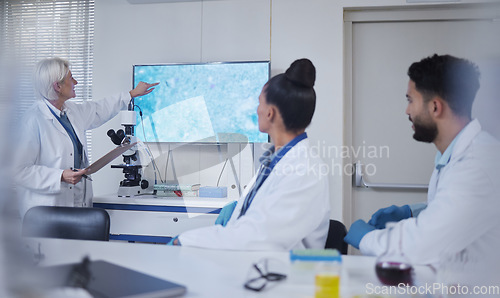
x,y
106,280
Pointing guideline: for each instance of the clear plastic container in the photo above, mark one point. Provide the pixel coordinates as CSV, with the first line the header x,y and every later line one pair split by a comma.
x,y
318,267
327,280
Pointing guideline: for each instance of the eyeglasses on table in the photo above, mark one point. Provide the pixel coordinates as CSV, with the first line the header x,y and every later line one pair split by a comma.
x,y
264,272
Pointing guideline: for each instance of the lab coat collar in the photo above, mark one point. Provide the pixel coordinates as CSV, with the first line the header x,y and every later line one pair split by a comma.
x,y
45,107
442,160
54,109
459,144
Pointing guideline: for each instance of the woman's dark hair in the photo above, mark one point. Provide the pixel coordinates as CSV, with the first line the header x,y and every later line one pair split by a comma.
x,y
453,79
293,94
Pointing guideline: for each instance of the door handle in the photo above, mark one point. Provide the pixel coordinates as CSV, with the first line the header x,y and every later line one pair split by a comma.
x,y
360,182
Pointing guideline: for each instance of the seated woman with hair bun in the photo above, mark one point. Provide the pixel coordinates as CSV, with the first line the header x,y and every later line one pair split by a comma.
x,y
286,204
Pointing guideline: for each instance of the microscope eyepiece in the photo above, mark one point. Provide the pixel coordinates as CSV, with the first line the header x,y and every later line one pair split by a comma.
x,y
114,137
121,134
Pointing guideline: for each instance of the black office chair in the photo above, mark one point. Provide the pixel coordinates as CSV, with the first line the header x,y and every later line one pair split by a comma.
x,y
67,223
336,234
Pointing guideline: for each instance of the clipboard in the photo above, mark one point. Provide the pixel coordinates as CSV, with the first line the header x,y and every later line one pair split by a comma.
x,y
107,158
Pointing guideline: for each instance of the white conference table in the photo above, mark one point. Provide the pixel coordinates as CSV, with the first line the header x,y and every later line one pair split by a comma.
x,y
205,272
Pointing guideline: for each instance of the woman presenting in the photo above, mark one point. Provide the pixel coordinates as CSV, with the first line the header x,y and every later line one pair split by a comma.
x,y
52,139
286,205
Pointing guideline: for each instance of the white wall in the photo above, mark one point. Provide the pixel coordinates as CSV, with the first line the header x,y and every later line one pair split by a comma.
x,y
127,34
225,30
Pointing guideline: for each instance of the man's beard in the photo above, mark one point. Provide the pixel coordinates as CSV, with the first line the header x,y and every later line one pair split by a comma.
x,y
424,132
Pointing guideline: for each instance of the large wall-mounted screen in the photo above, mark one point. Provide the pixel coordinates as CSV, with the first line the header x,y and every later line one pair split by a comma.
x,y
206,102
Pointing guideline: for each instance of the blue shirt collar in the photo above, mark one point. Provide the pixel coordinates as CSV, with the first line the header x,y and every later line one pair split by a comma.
x,y
267,156
442,160
270,153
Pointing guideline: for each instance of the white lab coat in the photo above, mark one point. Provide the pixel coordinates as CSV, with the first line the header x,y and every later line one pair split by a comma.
x,y
44,149
463,212
291,210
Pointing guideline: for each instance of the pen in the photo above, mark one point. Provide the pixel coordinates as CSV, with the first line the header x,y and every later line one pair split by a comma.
x,y
84,175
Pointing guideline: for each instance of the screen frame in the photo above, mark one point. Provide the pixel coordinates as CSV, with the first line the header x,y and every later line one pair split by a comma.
x,y
201,63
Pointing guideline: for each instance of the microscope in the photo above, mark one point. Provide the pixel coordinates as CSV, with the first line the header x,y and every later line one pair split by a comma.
x,y
132,185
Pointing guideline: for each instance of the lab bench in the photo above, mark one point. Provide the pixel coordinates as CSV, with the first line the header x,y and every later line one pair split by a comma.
x,y
148,218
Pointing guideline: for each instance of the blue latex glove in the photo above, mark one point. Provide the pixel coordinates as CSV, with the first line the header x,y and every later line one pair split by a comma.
x,y
225,214
389,214
358,230
171,242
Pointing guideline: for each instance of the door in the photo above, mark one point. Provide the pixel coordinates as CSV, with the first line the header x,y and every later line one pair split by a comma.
x,y
380,46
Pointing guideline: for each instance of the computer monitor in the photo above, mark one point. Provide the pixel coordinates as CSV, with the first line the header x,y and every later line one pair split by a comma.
x,y
202,102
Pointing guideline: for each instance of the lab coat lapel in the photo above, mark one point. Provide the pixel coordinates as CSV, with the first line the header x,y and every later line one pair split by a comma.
x,y
80,133
50,117
468,134
76,127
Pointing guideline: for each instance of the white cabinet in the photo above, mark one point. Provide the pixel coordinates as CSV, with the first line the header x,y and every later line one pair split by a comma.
x,y
157,219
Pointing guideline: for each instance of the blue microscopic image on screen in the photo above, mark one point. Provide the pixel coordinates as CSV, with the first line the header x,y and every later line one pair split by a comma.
x,y
210,102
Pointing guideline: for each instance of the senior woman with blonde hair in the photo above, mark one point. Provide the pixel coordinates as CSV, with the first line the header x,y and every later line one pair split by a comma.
x,y
52,139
